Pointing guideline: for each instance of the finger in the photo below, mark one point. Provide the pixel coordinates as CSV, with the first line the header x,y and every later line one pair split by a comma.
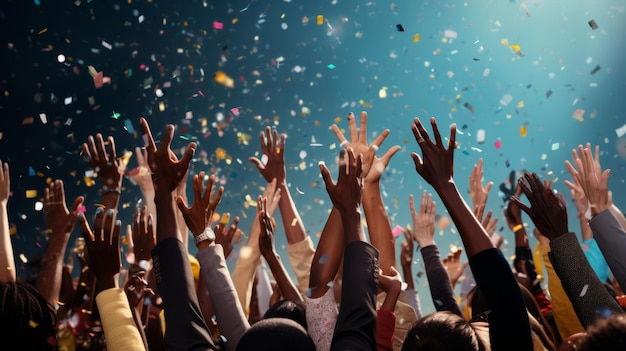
x,y
421,131
85,230
521,205
381,138
452,142
92,147
259,165
354,137
78,202
142,221
432,207
423,203
488,187
168,136
283,138
197,181
86,152
151,228
112,152
418,161
59,191
115,237
182,205
389,154
339,134
217,198
139,156
102,155
148,140
328,181
436,133
129,237
363,128
187,157
412,205
109,222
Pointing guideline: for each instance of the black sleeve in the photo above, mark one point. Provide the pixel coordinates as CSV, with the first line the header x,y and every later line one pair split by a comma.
x,y
509,328
438,281
185,328
356,322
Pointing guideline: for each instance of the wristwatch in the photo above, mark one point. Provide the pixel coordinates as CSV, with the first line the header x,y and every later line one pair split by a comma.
x,y
207,235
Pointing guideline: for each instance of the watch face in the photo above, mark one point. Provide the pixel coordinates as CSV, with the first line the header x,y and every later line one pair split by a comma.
x,y
209,234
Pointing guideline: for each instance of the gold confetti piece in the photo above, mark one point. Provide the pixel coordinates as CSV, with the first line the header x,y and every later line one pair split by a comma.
x,y
161,106
522,131
32,324
416,38
320,19
294,222
28,120
223,79
337,119
23,258
89,182
43,31
12,230
520,104
30,194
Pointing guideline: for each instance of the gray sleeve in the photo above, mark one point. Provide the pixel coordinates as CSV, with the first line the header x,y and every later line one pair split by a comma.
x,y
587,294
611,239
231,320
414,301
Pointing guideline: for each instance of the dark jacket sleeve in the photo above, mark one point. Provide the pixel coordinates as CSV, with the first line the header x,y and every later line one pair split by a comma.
x,y
185,328
509,328
611,239
587,294
438,281
356,322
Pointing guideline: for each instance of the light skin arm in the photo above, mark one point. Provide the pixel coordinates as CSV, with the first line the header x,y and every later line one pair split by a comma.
x,y
266,245
142,176
7,262
274,148
379,227
578,196
60,222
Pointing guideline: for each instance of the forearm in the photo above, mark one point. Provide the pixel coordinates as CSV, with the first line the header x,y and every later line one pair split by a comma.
x,y
379,228
148,198
7,261
287,288
440,288
243,271
49,279
117,321
328,255
167,226
585,229
611,239
407,271
474,237
292,223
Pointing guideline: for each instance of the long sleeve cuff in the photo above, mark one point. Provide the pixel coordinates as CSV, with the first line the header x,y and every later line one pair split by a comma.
x,y
117,319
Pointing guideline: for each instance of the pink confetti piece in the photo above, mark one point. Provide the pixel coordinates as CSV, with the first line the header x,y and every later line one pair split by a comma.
x,y
397,230
218,25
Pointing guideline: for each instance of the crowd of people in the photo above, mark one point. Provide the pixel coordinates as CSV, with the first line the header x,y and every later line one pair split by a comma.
x,y
350,292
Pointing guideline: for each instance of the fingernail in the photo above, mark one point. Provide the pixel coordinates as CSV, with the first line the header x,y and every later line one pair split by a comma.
x,y
110,212
99,210
118,223
80,216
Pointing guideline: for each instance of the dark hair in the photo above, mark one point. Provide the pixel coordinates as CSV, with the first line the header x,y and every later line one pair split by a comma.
x,y
289,309
606,334
275,334
538,324
442,331
26,318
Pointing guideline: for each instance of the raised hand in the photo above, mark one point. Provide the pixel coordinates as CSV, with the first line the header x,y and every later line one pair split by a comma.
x,y
373,167
106,164
143,238
142,175
167,169
546,210
272,193
103,248
346,193
478,193
488,222
436,165
266,239
274,149
59,219
199,216
453,266
224,236
594,181
424,220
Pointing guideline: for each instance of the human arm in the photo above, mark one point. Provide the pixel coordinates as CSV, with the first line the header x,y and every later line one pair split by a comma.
x,y
249,254
385,317
60,221
406,262
224,236
509,324
608,232
378,225
356,323
186,328
103,257
266,245
6,247
549,215
142,176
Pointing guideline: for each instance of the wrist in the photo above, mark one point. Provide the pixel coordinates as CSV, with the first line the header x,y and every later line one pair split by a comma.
x,y
424,243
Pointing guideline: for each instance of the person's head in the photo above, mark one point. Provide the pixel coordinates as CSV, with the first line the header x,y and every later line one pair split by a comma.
x,y
288,309
276,334
442,331
606,334
26,318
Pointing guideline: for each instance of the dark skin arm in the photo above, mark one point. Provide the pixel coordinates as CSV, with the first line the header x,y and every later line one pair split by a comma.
x,y
406,258
109,169
274,148
266,245
60,222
